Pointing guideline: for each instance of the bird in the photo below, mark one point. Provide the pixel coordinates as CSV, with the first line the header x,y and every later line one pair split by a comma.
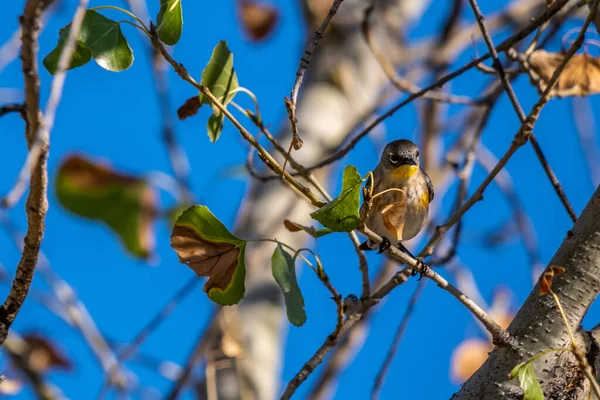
x,y
401,194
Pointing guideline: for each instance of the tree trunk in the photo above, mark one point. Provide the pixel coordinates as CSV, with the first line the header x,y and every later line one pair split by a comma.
x,y
538,325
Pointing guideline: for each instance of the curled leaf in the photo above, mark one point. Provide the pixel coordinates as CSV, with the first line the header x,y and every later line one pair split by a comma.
x,y
295,227
284,272
127,204
341,214
189,108
581,76
467,358
393,216
258,19
547,277
205,245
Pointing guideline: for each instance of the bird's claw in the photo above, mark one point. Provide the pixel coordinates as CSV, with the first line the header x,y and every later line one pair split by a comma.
x,y
421,269
384,245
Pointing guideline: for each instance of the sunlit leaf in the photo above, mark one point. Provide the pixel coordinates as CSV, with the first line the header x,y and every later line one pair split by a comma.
x,y
205,245
169,21
99,36
81,54
528,380
214,125
341,214
316,233
284,272
219,75
125,203
257,19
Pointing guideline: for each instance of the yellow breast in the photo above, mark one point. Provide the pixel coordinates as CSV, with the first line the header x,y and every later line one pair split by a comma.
x,y
405,171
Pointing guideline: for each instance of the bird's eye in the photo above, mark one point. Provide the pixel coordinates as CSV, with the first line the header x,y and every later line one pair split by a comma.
x,y
394,159
417,154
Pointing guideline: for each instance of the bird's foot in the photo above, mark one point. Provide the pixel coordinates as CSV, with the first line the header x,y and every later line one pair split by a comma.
x,y
384,245
420,269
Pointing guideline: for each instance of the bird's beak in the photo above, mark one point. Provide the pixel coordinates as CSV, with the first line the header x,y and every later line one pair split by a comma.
x,y
408,161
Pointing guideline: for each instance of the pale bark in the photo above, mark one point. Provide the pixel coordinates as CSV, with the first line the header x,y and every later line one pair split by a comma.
x,y
538,324
343,82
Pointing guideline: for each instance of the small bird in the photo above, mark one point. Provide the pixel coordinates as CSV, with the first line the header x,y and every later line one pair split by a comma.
x,y
398,215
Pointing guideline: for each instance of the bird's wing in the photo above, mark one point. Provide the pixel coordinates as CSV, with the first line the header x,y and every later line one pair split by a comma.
x,y
429,186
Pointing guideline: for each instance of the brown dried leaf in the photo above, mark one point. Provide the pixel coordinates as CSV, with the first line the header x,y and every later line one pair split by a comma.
x,y
217,261
258,19
44,355
189,108
393,217
581,76
547,277
292,226
467,358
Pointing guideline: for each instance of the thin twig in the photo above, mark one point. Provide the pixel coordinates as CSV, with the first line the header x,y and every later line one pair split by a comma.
x,y
304,62
400,83
522,220
38,144
207,335
341,354
585,125
150,327
37,203
385,366
519,110
499,335
69,306
519,140
13,108
505,45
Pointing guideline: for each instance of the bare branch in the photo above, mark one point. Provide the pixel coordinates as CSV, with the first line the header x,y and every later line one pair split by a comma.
x,y
521,114
385,366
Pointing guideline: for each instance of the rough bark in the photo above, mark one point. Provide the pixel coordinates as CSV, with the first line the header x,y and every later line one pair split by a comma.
x,y
37,203
538,324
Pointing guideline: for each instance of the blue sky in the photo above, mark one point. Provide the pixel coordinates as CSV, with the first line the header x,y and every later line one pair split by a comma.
x,y
115,116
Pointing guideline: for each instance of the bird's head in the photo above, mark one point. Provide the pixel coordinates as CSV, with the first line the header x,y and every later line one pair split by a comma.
x,y
400,158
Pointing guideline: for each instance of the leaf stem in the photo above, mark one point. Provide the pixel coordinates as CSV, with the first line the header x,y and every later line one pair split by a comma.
x,y
132,15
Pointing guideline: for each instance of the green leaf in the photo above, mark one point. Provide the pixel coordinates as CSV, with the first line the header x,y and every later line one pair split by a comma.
x,y
170,21
296,227
99,37
219,75
284,272
207,226
81,54
528,380
215,125
341,214
125,203
205,245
